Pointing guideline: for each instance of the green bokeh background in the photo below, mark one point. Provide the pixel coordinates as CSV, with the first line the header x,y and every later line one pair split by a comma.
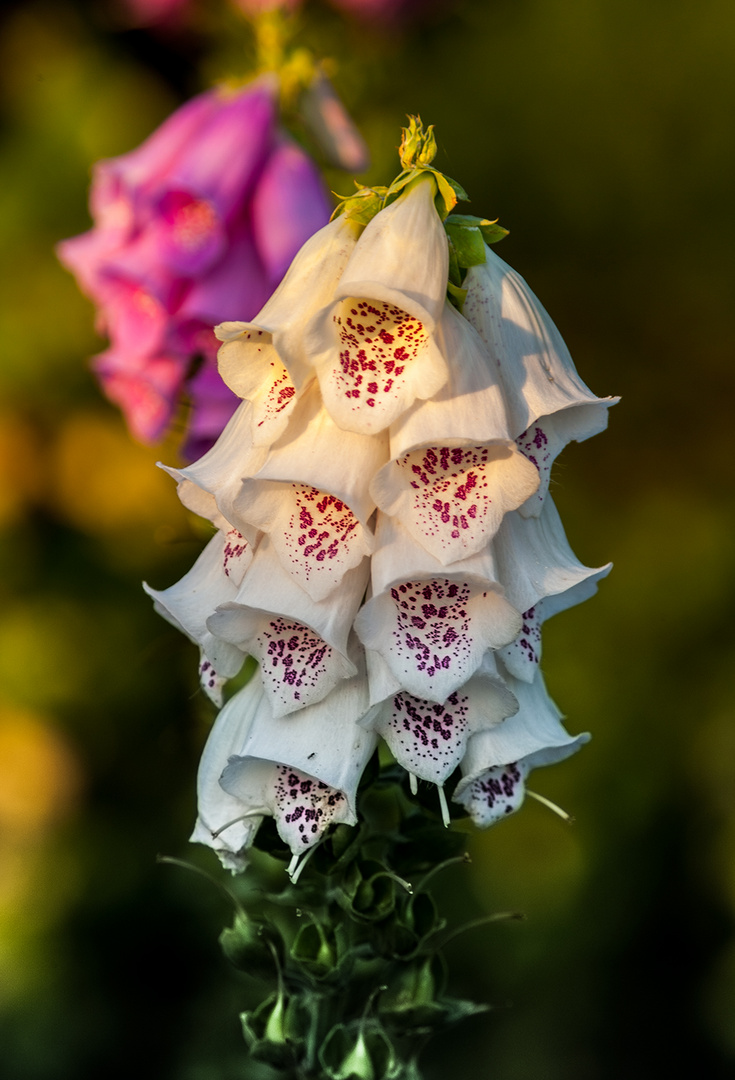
x,y
602,134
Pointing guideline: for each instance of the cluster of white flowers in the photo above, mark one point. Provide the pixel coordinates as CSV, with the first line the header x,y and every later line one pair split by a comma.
x,y
386,545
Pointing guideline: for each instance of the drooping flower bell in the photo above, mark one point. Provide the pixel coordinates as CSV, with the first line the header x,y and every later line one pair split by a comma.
x,y
386,547
195,226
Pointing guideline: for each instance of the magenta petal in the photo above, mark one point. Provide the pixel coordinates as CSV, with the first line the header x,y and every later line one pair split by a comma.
x,y
145,168
288,206
145,388
212,405
188,233
234,289
222,163
135,320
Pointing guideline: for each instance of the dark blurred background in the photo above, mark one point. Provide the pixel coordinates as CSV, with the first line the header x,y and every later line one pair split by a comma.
x,y
602,134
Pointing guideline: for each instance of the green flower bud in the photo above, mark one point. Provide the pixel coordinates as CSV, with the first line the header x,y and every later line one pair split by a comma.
x,y
246,946
314,950
418,147
359,1051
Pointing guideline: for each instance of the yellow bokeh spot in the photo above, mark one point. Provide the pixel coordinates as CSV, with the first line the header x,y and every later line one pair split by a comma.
x,y
108,486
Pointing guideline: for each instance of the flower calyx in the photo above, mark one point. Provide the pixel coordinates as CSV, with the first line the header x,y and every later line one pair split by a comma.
x,y
467,235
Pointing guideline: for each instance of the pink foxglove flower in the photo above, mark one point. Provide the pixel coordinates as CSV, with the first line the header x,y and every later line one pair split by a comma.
x,y
196,226
386,547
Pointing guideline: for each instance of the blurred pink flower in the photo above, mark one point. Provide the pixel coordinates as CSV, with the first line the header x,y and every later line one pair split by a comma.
x,y
255,7
388,11
153,12
194,227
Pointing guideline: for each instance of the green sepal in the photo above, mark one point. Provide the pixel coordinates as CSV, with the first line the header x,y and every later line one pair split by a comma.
x,y
467,241
359,1051
456,296
410,999
368,890
314,950
274,1032
363,205
491,231
245,944
455,271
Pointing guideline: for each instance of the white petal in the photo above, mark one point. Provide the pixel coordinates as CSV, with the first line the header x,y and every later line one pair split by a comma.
x,y
189,602
275,337
429,738
544,441
372,359
535,732
301,644
534,560
537,372
542,577
305,770
432,624
523,655
374,350
498,760
252,368
216,808
317,453
470,406
402,257
311,497
496,793
453,499
209,486
455,472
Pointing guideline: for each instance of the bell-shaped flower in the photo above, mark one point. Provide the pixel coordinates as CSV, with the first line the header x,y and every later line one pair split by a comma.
x,y
210,486
429,738
213,580
497,760
311,497
373,347
454,470
263,360
302,645
184,237
430,623
548,404
541,576
303,770
221,823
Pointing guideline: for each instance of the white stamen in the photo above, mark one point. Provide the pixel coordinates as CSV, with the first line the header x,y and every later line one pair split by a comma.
x,y
298,862
551,806
443,803
413,782
243,817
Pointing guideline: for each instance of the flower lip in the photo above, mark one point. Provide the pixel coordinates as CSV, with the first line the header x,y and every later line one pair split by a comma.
x,y
538,374
323,743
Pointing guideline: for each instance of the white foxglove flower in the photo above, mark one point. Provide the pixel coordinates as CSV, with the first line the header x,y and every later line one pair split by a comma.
x,y
541,576
498,760
455,470
222,822
374,348
548,404
311,497
301,644
430,623
302,770
263,361
429,738
213,579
